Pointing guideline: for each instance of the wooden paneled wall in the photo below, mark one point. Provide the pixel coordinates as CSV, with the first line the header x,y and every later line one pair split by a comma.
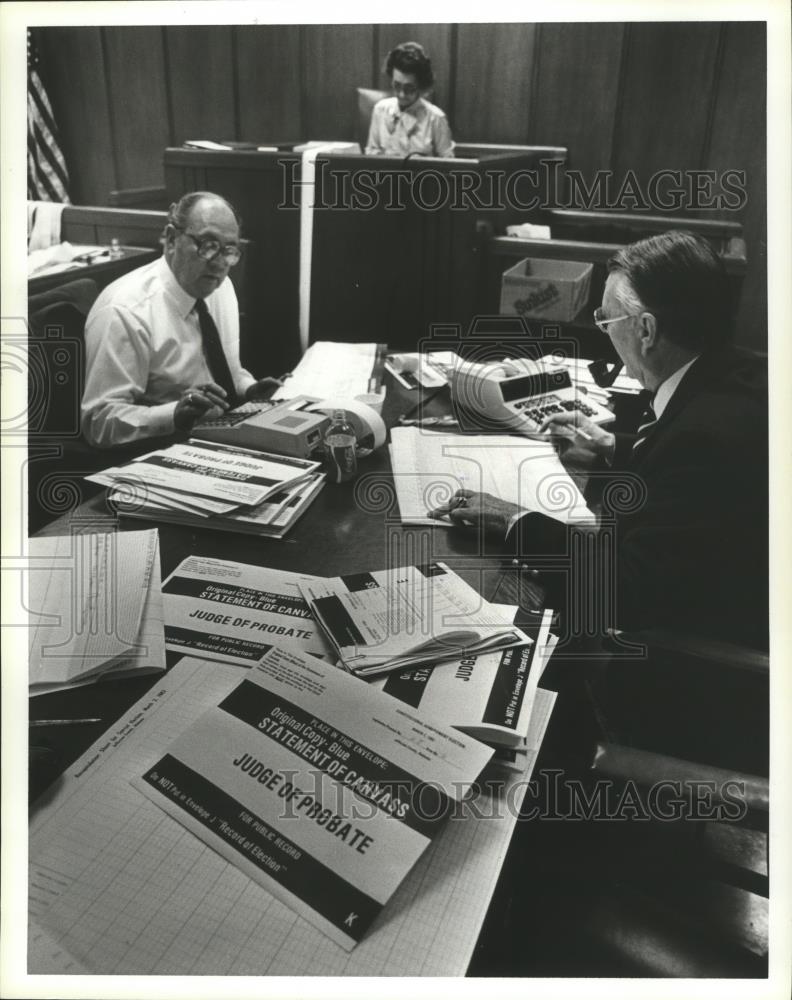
x,y
641,96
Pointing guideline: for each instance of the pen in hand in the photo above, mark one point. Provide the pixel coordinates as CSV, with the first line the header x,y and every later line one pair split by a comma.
x,y
566,430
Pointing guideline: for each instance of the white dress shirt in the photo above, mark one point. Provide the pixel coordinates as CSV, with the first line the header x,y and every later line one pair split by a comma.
x,y
143,349
667,389
422,128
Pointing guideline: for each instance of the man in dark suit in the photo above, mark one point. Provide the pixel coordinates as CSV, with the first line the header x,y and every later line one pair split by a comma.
x,y
690,549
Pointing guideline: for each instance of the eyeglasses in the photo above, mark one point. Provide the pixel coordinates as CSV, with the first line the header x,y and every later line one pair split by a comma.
x,y
408,89
209,248
604,323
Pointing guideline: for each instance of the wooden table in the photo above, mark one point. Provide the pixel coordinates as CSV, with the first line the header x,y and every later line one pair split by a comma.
x,y
349,528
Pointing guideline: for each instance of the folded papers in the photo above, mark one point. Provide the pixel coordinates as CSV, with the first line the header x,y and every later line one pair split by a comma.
x,y
396,618
95,607
489,696
321,789
203,484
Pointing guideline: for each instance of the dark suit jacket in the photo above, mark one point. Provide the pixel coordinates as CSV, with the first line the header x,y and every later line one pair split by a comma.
x,y
691,554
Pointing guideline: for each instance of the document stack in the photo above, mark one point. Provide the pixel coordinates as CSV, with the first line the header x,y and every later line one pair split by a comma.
x,y
95,609
203,484
318,788
491,696
234,612
398,618
332,369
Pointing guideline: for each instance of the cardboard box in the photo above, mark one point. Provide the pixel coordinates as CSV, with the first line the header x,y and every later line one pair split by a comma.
x,y
546,289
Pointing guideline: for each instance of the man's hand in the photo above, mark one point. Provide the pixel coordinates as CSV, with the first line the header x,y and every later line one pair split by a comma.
x,y
584,432
478,509
262,389
196,401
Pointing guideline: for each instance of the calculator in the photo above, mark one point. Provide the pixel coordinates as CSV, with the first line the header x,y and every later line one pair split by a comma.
x,y
521,401
287,427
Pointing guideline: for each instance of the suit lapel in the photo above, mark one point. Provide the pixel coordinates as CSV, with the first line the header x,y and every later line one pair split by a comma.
x,y
693,379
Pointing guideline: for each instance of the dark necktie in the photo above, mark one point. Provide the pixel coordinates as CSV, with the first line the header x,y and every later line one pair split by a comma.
x,y
213,351
645,427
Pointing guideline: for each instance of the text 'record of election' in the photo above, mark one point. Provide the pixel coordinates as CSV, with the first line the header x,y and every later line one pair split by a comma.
x,y
235,612
322,789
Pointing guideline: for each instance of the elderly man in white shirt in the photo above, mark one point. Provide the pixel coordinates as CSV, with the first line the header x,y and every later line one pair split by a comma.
x,y
162,342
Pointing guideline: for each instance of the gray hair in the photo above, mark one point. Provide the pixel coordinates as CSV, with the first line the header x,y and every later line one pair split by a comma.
x,y
679,278
628,298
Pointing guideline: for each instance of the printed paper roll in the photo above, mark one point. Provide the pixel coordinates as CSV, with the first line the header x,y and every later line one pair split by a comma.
x,y
366,421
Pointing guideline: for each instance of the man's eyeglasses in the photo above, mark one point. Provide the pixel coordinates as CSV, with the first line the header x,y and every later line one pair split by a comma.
x,y
603,323
408,89
209,248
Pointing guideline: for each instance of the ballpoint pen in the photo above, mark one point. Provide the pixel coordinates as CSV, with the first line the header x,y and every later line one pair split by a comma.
x,y
549,432
421,402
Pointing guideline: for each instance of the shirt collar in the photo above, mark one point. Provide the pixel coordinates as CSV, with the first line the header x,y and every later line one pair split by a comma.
x,y
667,389
410,116
184,303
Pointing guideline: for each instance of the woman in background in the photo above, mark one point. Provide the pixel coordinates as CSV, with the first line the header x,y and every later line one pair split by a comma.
x,y
407,123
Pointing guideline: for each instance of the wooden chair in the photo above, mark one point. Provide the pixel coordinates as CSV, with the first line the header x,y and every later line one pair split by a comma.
x,y
606,876
58,456
691,898
367,97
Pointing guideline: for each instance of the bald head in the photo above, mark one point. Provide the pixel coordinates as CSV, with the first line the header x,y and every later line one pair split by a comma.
x,y
197,217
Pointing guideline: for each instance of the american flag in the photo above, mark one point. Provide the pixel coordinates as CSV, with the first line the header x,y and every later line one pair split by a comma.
x,y
48,178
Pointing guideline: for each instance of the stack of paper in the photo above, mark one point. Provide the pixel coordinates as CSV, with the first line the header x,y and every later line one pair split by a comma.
x,y
429,467
426,370
321,789
216,486
234,612
62,257
330,369
490,696
396,618
95,608
161,902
